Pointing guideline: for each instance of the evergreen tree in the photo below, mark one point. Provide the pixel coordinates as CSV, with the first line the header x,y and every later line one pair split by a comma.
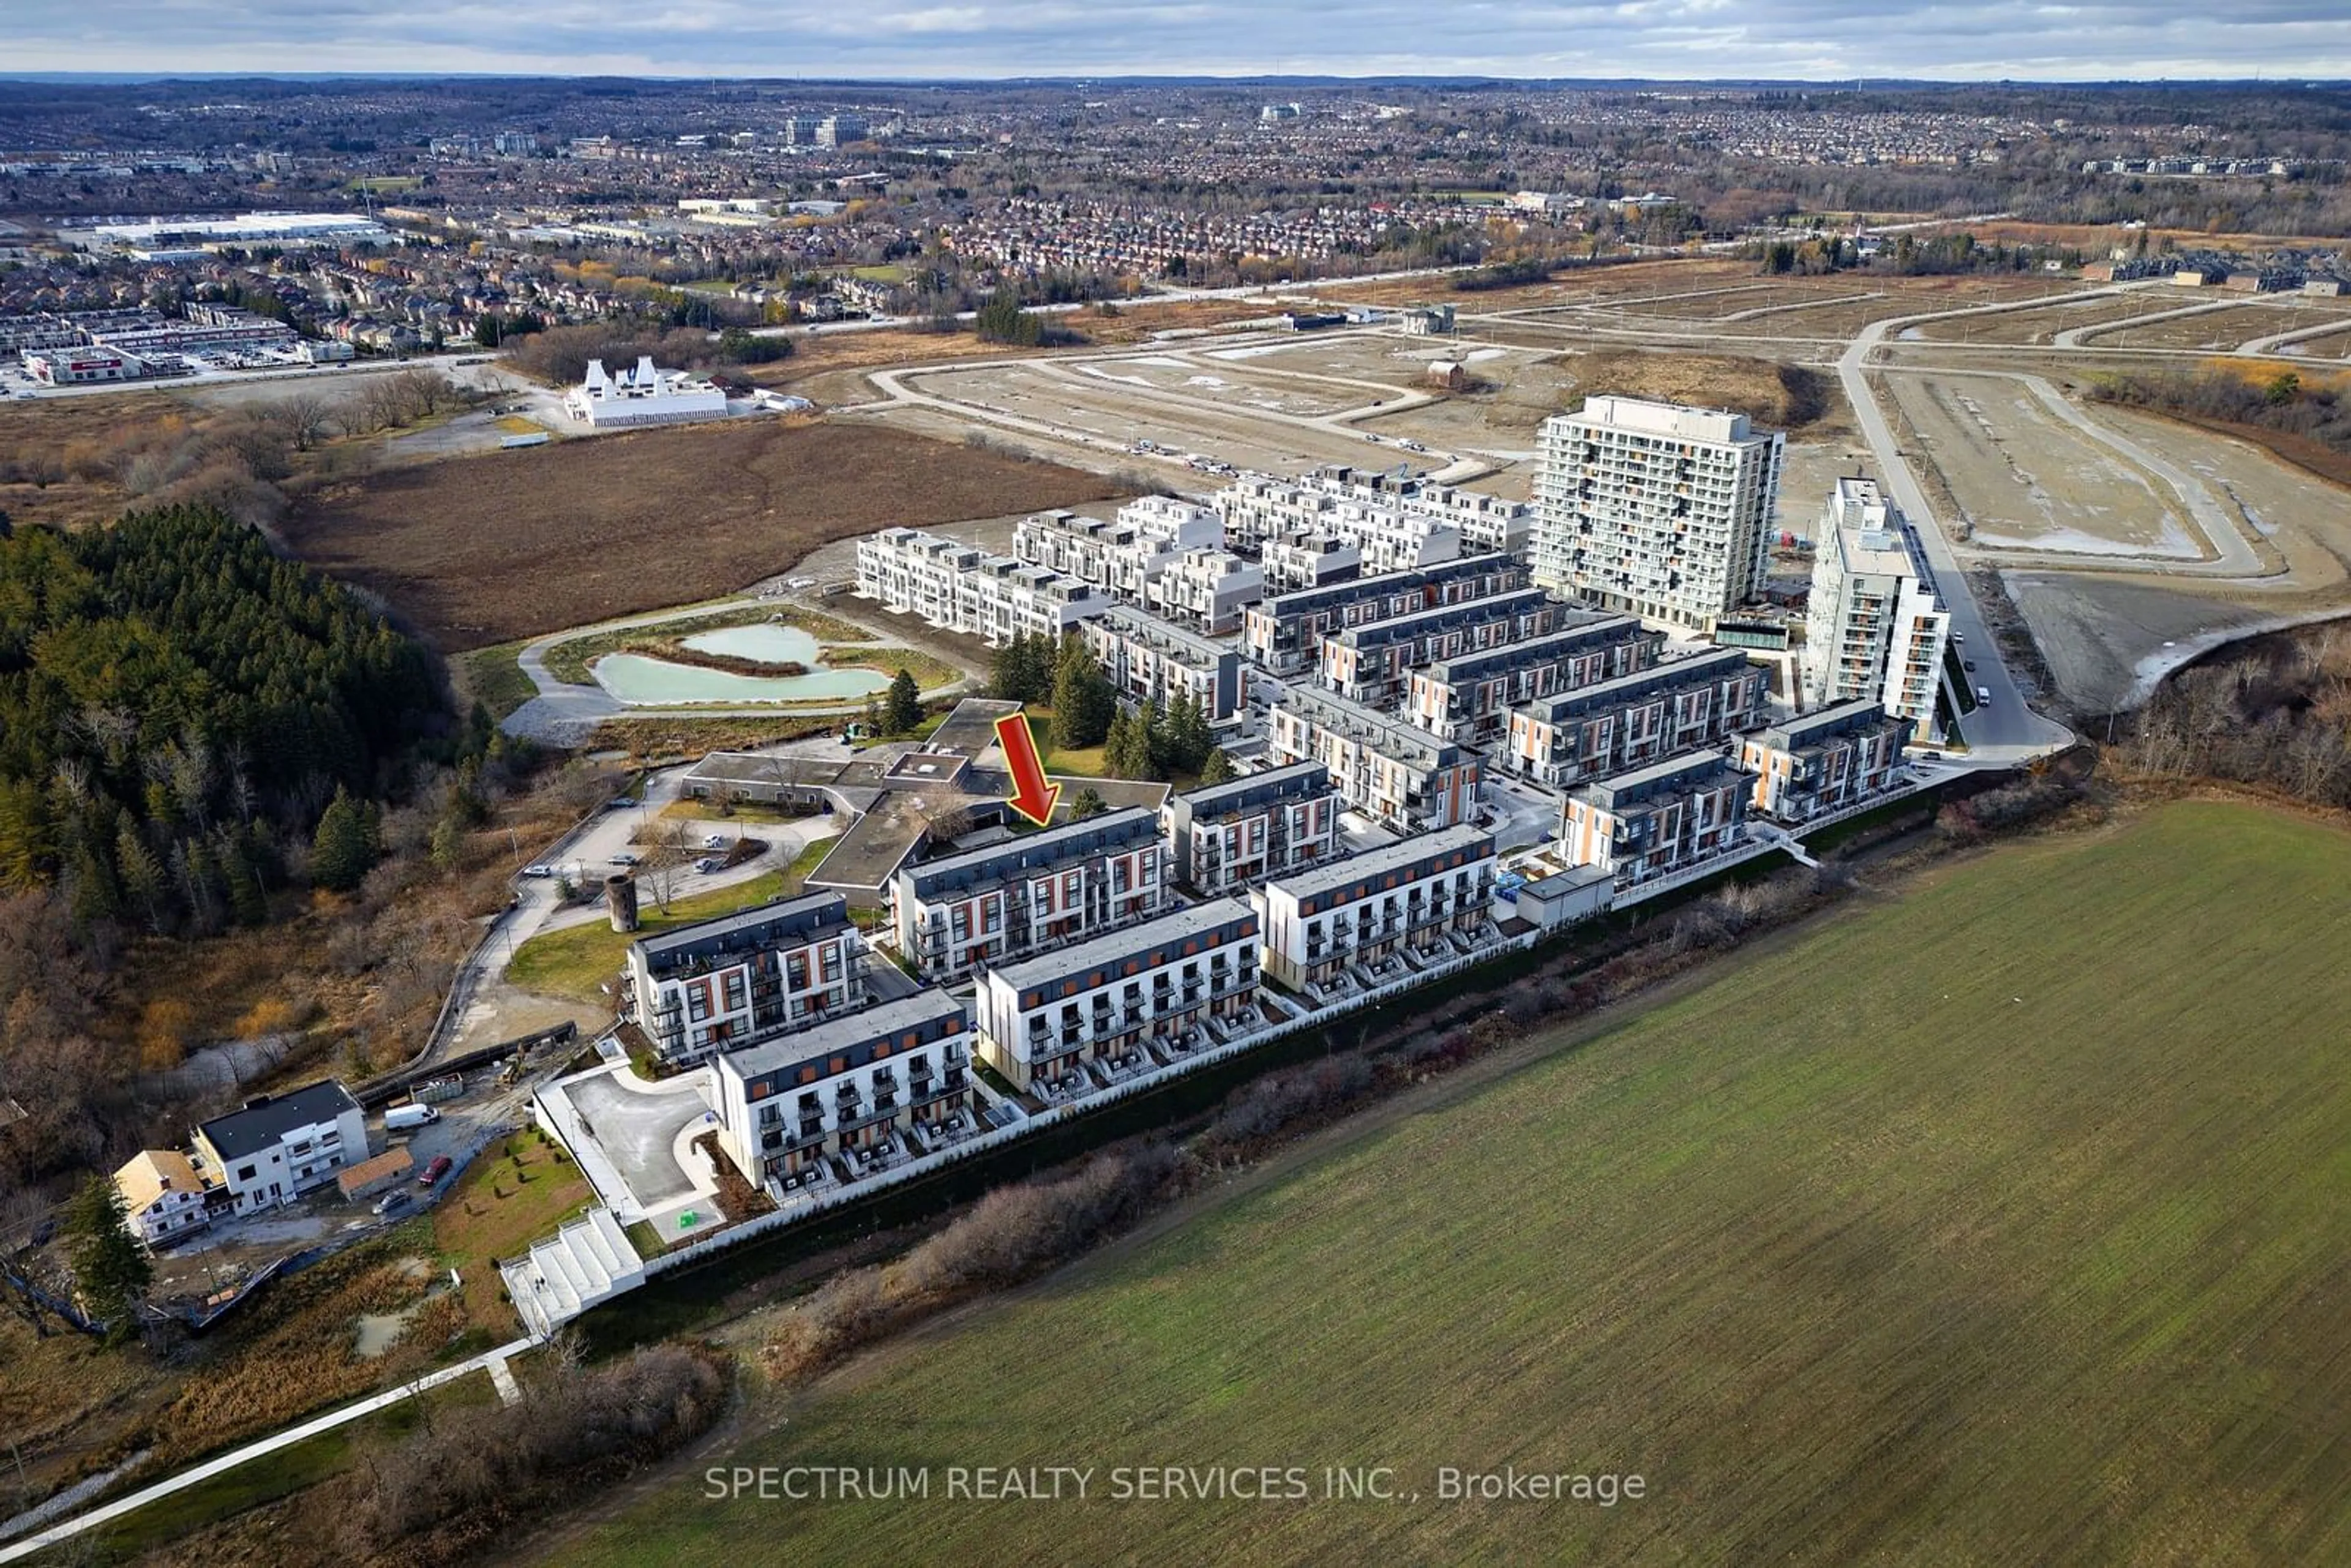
x,y
903,709
448,843
144,891
246,899
1083,698
343,850
1218,769
111,1268
1088,803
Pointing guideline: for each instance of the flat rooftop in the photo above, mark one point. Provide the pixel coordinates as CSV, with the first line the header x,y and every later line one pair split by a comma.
x,y
750,767
972,726
1711,664
872,1022
1397,856
820,915
1629,788
1111,946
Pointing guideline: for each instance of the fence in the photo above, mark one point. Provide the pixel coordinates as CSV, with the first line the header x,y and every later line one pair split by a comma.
x,y
1297,1023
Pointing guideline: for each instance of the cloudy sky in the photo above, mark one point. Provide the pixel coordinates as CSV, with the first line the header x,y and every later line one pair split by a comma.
x,y
1816,39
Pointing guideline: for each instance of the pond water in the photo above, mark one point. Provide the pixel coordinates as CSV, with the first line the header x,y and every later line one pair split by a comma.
x,y
636,678
768,642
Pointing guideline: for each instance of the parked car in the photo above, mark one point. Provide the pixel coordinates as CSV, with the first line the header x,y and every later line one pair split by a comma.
x,y
1960,639
393,1202
706,866
1968,664
624,858
435,1171
1983,696
538,871
714,841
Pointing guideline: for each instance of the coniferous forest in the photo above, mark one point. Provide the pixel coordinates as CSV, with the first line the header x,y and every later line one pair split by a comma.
x,y
178,707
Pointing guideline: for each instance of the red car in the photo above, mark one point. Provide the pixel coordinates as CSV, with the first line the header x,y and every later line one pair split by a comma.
x,y
435,1171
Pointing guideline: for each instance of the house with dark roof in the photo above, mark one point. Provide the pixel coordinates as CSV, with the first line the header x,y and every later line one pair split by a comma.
x,y
279,1147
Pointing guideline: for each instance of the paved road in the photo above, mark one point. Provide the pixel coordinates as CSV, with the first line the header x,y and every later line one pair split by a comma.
x,y
2005,724
72,1527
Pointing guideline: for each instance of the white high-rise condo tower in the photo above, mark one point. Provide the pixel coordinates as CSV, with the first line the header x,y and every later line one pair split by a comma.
x,y
1655,509
1873,626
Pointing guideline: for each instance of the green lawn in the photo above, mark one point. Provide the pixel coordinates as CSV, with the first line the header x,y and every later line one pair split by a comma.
x,y
2003,1222
572,962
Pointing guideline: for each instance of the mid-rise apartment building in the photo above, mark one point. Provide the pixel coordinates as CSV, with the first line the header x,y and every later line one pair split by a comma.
x,y
1654,822
1225,836
1655,509
1285,633
1875,626
1840,757
1005,901
719,985
280,1147
1043,1018
1369,663
1468,698
964,588
1342,500
1413,893
1150,660
1615,727
1382,767
1205,590
846,1085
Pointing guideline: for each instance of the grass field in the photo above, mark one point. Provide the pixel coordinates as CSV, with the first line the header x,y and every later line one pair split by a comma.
x,y
504,1202
572,962
645,519
2001,1222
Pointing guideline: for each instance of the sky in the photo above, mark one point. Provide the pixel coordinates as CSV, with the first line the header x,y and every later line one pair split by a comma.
x,y
948,40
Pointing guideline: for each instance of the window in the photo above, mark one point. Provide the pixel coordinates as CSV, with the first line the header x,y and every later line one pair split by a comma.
x,y
245,1173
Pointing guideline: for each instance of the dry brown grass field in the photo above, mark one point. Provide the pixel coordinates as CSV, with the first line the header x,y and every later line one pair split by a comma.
x,y
477,550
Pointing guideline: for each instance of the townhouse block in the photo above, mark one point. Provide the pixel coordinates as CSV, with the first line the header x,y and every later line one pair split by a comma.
x,y
1005,901
1425,892
1041,1019
1226,836
719,984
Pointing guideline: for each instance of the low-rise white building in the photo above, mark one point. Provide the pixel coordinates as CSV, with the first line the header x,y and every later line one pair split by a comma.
x,y
280,1147
1833,760
643,396
1416,893
846,1085
1394,517
162,1195
1205,590
723,984
1308,560
1225,836
1043,1018
964,588
1119,555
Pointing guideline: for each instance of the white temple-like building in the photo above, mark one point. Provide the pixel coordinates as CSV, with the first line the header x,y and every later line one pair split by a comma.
x,y
641,396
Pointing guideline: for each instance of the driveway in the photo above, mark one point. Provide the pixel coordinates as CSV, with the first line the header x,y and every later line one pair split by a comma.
x,y
637,1129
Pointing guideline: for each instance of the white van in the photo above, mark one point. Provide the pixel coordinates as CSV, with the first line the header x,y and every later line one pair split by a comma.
x,y
1983,697
401,1116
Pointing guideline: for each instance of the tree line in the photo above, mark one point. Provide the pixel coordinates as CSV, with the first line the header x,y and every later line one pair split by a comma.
x,y
1153,740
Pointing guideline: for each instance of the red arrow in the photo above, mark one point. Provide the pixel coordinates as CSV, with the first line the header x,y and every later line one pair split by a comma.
x,y
1031,795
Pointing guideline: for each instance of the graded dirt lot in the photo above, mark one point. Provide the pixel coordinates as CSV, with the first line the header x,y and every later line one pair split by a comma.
x,y
2026,480
2040,326
477,550
2218,330
2020,1239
